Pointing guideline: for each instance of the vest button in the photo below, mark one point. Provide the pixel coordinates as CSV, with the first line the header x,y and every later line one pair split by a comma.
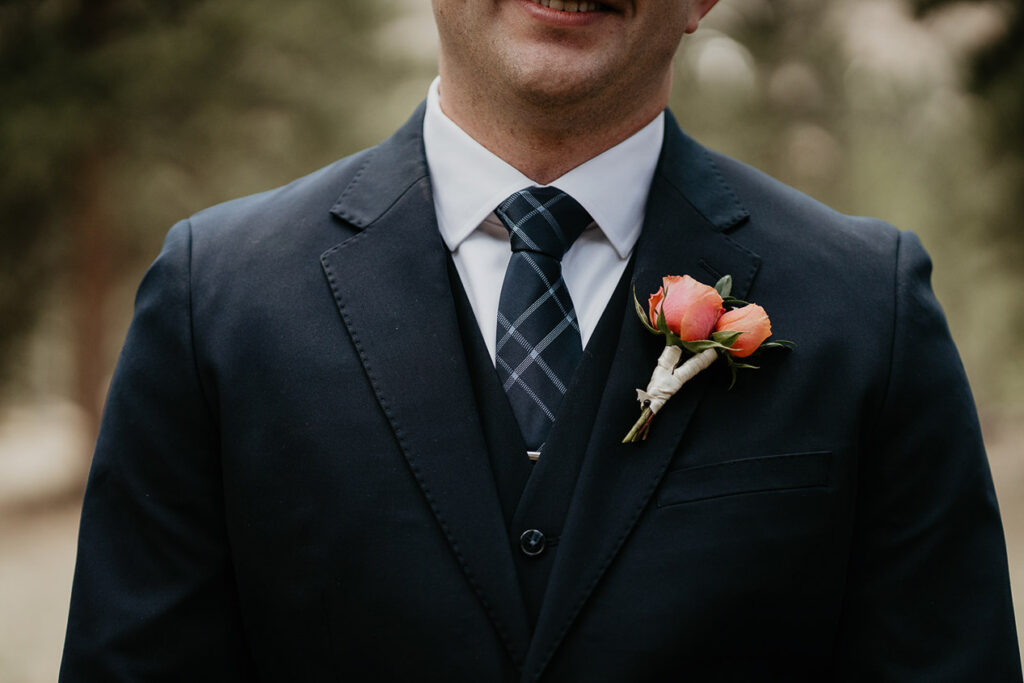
x,y
532,542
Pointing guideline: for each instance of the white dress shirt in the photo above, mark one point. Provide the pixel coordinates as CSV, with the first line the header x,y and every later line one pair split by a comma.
x,y
469,182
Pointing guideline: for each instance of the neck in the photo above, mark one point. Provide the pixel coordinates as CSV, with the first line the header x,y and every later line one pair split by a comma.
x,y
544,139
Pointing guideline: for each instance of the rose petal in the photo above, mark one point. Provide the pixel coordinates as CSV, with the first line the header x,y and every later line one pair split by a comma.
x,y
752,322
691,308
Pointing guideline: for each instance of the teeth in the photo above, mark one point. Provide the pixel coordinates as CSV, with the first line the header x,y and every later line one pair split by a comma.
x,y
569,5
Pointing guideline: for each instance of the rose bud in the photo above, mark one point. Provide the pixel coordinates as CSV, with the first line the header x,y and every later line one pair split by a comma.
x,y
752,322
691,308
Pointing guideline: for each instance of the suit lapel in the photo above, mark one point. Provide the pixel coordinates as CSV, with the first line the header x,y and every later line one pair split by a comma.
x,y
391,285
689,214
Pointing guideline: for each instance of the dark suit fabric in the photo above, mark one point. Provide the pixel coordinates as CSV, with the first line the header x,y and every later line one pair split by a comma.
x,y
293,480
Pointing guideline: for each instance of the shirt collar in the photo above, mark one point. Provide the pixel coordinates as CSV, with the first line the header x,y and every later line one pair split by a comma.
x,y
469,181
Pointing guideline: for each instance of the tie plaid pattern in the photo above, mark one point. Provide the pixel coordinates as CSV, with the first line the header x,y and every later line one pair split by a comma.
x,y
538,338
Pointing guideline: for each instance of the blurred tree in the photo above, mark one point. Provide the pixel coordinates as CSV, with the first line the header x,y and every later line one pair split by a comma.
x,y
999,63
997,75
120,115
865,108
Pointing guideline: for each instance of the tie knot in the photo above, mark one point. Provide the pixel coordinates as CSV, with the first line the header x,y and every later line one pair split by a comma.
x,y
543,220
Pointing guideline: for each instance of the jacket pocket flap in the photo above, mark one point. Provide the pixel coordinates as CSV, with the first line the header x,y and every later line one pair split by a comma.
x,y
749,475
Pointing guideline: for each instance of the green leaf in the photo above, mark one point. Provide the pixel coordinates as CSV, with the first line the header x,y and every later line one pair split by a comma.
x,y
670,336
732,371
698,346
731,302
724,286
735,366
662,324
726,337
641,313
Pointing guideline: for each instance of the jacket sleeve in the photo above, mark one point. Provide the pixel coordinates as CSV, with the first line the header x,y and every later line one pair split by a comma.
x,y
153,595
928,596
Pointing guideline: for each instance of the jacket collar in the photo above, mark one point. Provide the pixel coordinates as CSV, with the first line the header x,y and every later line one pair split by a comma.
x,y
688,167
386,173
400,162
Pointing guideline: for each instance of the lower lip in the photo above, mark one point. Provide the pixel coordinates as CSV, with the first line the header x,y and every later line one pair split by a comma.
x,y
558,18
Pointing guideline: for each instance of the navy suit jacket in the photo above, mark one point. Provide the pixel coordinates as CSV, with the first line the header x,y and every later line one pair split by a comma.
x,y
292,480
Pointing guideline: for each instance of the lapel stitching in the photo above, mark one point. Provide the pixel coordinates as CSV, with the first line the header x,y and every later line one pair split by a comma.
x,y
399,245
412,455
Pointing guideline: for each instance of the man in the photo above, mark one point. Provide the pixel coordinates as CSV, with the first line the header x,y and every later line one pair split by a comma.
x,y
314,459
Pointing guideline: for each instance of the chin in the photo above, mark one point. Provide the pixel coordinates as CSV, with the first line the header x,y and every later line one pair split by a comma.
x,y
543,85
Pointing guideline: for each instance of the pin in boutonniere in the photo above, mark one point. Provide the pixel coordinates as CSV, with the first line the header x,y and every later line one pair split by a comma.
x,y
707,323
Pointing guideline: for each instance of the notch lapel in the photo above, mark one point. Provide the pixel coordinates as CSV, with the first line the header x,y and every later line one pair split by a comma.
x,y
391,285
689,213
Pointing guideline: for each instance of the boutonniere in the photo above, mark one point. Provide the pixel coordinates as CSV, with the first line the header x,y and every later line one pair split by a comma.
x,y
707,323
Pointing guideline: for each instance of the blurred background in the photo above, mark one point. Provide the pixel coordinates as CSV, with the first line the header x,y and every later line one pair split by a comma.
x,y
119,117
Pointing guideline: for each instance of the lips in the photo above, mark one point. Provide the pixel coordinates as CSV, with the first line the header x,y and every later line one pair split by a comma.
x,y
570,5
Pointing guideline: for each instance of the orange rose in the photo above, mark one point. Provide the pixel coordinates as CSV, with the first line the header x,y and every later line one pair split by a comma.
x,y
752,322
691,308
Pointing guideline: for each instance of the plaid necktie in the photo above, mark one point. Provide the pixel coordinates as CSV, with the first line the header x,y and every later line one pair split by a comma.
x,y
538,338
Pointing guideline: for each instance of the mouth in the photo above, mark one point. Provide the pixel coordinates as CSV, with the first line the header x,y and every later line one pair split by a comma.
x,y
570,5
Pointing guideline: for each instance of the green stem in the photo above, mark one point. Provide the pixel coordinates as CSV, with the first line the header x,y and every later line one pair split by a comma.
x,y
634,433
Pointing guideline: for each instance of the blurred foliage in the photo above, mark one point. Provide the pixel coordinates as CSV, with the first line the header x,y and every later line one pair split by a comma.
x,y
869,107
997,74
121,117
1000,63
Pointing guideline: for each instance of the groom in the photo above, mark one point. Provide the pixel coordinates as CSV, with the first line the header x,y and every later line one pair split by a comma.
x,y
367,426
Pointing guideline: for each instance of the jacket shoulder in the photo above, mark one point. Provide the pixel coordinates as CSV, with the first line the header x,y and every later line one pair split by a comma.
x,y
787,218
260,215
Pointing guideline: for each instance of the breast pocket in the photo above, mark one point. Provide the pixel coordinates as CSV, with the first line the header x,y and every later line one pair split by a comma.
x,y
745,476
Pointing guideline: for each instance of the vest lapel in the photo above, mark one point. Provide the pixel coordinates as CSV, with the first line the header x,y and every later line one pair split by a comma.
x,y
689,211
505,445
549,490
537,496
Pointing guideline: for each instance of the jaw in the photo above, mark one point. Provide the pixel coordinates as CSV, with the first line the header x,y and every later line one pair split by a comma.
x,y
562,59
556,64
545,88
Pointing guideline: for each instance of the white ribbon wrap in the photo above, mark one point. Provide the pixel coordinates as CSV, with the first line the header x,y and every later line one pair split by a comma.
x,y
667,378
